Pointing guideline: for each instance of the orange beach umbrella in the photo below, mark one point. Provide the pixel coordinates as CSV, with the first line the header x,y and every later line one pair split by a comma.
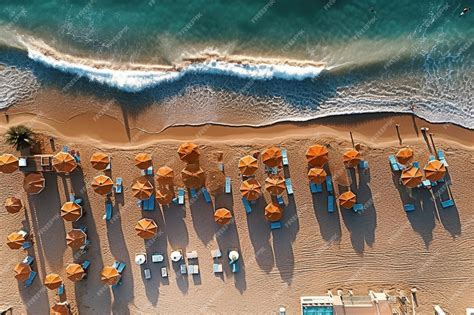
x,y
165,175
251,189
188,152
351,158
317,175
75,272
15,240
248,165
110,275
102,184
164,196
412,177
271,157
100,161
222,216
347,199
22,271
146,228
193,176
275,185
404,155
34,183
53,281
60,308
64,162
435,170
215,181
142,188
71,211
143,161
8,163
76,238
273,212
13,205
317,155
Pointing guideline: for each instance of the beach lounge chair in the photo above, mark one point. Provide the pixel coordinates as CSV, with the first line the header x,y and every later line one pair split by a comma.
x,y
442,157
329,184
248,208
193,193
431,158
26,245
275,225
216,253
109,166
182,269
234,267
220,166
192,255
447,203
157,258
118,284
108,210
180,196
61,290
289,186
118,185
363,165
85,264
147,273
330,203
416,164
164,272
284,156
394,163
77,157
426,183
358,207
313,188
217,268
65,148
149,204
148,171
30,279
193,269
409,207
280,200
28,260
206,194
120,266
227,185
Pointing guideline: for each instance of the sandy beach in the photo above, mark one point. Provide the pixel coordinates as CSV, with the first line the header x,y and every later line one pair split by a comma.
x,y
383,248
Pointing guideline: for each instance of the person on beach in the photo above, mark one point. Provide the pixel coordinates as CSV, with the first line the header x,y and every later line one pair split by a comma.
x,y
465,11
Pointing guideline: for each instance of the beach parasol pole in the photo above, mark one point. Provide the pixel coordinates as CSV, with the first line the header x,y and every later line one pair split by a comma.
x,y
352,138
397,126
432,142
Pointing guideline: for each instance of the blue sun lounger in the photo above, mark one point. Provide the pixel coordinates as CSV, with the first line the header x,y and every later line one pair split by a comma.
x,y
206,194
148,171
315,188
358,207
108,210
447,203
409,207
227,185
85,264
234,266
329,184
248,208
280,200
275,225
284,156
26,245
30,279
330,204
65,148
120,266
180,196
61,290
118,185
221,166
426,183
416,164
431,158
442,157
363,165
394,163
289,186
28,260
193,193
149,204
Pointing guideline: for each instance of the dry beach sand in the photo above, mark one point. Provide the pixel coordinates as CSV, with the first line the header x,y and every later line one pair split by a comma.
x,y
383,248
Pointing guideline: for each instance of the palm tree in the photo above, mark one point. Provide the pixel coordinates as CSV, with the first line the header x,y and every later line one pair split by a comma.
x,y
20,137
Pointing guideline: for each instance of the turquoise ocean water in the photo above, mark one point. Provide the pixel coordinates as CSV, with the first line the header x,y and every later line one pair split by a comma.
x,y
374,55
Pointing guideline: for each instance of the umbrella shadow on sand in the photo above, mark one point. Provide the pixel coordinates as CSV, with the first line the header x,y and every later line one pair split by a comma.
x,y
422,219
360,225
227,237
329,223
449,217
87,289
202,217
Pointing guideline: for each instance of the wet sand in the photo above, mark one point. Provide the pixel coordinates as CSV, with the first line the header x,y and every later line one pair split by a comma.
x,y
382,249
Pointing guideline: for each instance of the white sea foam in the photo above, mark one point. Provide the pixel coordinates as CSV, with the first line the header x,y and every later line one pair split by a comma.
x,y
138,80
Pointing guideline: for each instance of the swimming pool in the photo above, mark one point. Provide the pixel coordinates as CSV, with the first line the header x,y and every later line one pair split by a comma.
x,y
318,310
